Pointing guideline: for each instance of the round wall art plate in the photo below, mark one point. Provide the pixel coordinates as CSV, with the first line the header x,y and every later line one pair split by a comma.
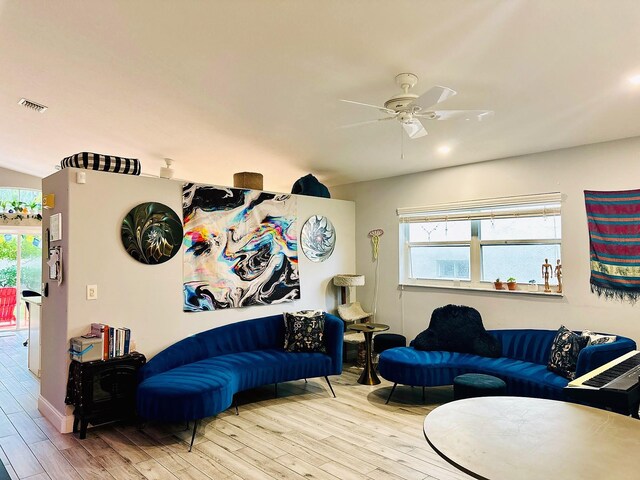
x,y
151,233
318,238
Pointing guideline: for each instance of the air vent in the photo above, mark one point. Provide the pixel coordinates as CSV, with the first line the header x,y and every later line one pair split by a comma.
x,y
32,105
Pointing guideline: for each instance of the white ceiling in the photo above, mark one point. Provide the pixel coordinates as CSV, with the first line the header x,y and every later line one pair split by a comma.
x,y
253,85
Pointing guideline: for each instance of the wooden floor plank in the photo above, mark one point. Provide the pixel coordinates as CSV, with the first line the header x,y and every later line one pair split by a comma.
x,y
154,471
54,463
6,427
20,457
343,472
303,468
232,462
160,453
27,429
122,445
272,468
62,441
8,403
197,460
246,438
85,464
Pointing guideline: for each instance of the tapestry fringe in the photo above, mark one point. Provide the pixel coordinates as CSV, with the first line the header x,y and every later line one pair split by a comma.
x,y
610,293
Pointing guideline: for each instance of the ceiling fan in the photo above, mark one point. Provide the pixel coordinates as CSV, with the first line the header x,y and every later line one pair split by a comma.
x,y
412,110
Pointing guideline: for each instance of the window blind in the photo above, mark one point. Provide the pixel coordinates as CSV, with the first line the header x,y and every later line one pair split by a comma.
x,y
505,207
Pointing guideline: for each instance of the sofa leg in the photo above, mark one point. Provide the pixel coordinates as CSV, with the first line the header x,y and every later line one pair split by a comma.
x,y
391,393
276,389
235,404
330,387
423,394
193,435
305,381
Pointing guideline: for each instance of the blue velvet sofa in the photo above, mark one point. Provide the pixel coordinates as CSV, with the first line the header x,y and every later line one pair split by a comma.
x,y
522,365
198,377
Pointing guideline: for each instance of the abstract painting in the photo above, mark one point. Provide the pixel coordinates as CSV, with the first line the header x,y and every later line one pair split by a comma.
x,y
151,233
318,238
240,248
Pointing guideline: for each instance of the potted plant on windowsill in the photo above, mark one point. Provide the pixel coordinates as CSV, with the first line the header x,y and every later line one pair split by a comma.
x,y
498,284
511,283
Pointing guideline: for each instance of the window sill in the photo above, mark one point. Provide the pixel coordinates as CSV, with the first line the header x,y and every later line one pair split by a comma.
x,y
486,290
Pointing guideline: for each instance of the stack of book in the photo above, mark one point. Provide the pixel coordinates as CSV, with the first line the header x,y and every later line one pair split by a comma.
x,y
115,341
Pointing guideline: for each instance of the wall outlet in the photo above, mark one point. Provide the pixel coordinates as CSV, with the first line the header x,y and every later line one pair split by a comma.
x,y
92,292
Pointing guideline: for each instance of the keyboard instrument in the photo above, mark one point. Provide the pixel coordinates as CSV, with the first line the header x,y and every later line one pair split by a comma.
x,y
613,386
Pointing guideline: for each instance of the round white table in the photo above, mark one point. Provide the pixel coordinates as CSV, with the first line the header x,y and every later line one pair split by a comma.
x,y
518,438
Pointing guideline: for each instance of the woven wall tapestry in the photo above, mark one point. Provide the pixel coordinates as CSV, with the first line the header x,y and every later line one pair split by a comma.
x,y
240,248
614,234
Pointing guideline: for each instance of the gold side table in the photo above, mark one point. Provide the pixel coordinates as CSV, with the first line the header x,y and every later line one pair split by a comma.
x,y
368,376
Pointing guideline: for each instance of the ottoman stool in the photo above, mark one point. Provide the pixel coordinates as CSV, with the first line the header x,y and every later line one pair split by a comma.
x,y
477,385
384,341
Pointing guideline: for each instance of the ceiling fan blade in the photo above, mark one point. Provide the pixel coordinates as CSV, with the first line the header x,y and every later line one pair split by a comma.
x,y
414,129
432,96
366,122
384,109
478,115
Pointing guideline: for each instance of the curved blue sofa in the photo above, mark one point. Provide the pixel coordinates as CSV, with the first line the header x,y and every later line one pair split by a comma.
x,y
198,377
522,365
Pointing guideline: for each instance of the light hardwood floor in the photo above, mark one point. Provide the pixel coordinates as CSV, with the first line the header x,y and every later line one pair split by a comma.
x,y
304,433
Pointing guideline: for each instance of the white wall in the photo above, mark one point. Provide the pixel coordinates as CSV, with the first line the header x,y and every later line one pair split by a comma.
x,y
148,298
605,166
13,179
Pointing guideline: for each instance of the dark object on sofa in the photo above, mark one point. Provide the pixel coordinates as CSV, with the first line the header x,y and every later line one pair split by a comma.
x,y
310,186
471,385
457,328
199,376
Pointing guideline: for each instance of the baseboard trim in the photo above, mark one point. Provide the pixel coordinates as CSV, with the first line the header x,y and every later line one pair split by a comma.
x,y
64,423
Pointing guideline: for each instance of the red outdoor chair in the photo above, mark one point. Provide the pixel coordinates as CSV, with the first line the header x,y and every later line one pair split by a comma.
x,y
8,301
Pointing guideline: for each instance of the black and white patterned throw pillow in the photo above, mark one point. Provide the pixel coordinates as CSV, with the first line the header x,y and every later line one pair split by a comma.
x,y
594,338
564,352
304,331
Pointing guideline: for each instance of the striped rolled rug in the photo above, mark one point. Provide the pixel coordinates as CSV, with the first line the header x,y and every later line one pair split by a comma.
x,y
104,163
614,239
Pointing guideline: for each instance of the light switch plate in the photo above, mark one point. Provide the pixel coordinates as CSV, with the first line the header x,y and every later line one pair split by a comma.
x,y
92,292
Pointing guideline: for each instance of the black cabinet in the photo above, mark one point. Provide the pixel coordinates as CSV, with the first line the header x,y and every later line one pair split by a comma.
x,y
103,391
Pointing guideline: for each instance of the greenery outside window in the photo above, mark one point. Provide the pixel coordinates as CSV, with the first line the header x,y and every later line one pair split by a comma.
x,y
471,244
21,201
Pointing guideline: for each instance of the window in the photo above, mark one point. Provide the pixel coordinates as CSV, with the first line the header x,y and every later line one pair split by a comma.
x,y
19,200
478,242
20,252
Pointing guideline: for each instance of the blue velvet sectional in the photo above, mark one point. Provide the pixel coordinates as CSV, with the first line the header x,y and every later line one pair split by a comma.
x,y
523,364
198,377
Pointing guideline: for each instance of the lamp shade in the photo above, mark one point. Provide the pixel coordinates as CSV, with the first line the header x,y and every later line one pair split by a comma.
x,y
348,280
